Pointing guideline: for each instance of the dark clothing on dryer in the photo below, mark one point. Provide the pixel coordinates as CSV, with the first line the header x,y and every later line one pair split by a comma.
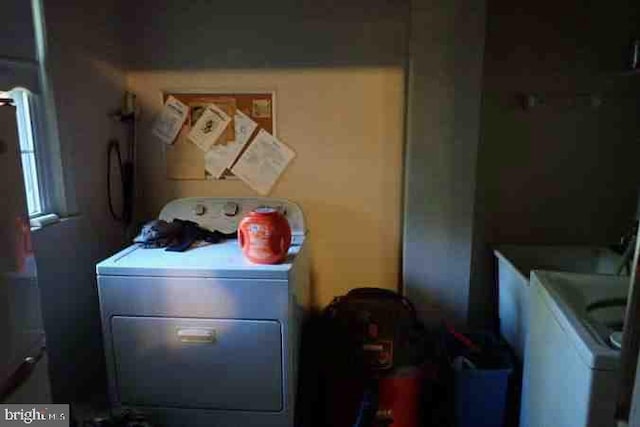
x,y
177,236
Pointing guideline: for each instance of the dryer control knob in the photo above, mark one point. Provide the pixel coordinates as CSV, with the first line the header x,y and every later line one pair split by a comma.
x,y
199,210
230,209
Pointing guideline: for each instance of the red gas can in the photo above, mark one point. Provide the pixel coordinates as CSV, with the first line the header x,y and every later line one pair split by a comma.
x,y
264,236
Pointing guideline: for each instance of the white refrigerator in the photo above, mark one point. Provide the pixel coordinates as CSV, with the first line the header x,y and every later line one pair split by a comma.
x,y
23,362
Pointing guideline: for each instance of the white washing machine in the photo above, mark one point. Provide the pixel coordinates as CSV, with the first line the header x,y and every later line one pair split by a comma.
x,y
205,337
571,375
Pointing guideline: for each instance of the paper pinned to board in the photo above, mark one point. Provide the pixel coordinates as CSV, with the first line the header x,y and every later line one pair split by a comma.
x,y
211,124
263,162
221,157
170,121
225,103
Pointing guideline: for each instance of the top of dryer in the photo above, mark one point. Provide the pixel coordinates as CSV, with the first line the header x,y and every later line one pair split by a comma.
x,y
223,260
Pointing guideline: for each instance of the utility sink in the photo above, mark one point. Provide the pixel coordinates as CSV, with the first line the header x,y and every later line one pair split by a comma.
x,y
607,318
515,263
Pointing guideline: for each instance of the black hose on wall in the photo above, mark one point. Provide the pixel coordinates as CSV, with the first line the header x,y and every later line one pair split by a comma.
x,y
126,184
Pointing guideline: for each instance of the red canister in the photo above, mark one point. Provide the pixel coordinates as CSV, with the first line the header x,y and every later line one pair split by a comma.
x,y
400,393
264,236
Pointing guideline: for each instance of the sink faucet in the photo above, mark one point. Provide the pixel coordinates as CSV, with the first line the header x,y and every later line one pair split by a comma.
x,y
628,245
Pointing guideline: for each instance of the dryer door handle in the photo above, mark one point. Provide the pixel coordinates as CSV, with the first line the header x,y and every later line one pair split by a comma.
x,y
196,335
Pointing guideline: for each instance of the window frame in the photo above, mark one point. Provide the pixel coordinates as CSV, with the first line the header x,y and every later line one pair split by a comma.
x,y
46,158
56,190
32,171
34,139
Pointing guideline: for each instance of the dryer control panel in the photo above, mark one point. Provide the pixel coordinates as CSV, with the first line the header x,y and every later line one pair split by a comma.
x,y
224,214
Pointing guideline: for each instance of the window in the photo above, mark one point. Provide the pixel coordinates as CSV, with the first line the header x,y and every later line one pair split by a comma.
x,y
22,99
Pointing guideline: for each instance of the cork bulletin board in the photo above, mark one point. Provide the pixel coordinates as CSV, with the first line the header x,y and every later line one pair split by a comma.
x,y
184,160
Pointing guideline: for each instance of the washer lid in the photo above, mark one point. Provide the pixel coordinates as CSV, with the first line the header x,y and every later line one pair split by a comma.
x,y
223,260
568,297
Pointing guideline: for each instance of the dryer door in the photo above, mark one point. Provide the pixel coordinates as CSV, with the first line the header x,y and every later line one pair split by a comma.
x,y
198,363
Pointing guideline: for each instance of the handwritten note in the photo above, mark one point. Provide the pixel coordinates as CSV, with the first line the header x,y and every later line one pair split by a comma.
x,y
211,124
171,118
221,157
263,162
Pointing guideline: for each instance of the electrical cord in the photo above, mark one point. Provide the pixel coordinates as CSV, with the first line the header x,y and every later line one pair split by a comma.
x,y
126,115
126,183
114,146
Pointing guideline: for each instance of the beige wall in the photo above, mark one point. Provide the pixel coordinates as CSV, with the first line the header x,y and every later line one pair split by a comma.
x,y
346,127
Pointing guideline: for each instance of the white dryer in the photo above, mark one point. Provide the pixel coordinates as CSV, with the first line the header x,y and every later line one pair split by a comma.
x,y
205,337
